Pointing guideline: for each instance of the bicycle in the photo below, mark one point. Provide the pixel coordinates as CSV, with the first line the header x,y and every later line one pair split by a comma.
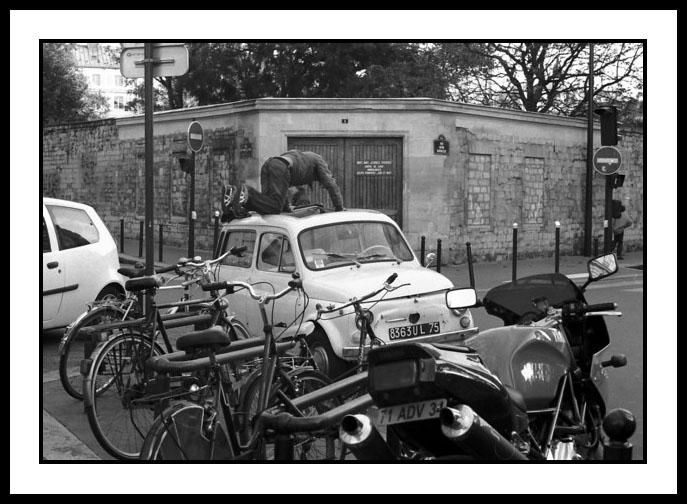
x,y
208,428
77,345
115,384
363,319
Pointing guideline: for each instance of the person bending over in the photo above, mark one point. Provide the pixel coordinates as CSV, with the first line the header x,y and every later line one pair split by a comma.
x,y
279,174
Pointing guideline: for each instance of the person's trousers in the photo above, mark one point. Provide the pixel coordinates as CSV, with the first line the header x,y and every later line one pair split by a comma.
x,y
618,244
275,179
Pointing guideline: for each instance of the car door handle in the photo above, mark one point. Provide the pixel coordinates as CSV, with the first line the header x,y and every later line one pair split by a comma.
x,y
53,265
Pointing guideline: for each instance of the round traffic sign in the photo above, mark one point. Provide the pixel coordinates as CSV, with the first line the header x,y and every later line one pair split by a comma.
x,y
195,136
607,160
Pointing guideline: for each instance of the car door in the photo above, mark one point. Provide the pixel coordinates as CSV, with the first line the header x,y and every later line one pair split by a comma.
x,y
235,268
273,270
53,272
79,259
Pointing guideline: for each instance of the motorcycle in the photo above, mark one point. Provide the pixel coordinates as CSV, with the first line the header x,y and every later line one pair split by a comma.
x,y
534,389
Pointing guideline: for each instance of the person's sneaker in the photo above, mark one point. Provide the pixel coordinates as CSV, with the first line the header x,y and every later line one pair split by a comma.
x,y
239,200
228,196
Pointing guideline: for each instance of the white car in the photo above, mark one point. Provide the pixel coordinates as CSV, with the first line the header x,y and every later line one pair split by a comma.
x,y
80,261
339,256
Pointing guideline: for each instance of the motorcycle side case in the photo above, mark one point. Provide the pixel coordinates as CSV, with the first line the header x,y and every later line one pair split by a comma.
x,y
531,360
455,373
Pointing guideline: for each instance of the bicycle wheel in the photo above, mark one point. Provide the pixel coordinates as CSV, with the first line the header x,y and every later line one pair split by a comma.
x,y
76,345
184,431
114,394
322,445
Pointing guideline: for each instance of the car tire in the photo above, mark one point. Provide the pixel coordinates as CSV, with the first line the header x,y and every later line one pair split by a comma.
x,y
326,361
109,292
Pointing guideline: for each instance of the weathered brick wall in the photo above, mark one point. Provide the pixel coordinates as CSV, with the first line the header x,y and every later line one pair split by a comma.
x,y
489,181
534,184
87,162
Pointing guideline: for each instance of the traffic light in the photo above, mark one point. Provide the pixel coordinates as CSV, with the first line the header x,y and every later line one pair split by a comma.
x,y
608,115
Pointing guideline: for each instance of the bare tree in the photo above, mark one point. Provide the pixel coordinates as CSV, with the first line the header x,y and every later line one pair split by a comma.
x,y
551,77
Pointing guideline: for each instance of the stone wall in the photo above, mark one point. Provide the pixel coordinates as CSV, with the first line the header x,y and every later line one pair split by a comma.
x,y
503,167
88,162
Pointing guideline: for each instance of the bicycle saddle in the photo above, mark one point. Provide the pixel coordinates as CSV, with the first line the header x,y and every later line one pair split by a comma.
x,y
215,337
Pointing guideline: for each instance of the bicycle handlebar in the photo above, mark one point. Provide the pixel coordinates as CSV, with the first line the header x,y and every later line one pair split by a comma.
x,y
386,287
296,283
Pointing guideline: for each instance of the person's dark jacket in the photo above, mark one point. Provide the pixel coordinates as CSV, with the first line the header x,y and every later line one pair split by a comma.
x,y
307,167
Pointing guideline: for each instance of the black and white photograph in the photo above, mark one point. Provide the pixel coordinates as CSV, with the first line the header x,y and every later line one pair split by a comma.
x,y
346,258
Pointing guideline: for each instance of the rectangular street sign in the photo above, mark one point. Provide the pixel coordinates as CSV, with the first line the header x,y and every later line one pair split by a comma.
x,y
171,60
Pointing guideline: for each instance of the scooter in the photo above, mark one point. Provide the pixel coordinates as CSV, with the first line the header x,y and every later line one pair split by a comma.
x,y
534,389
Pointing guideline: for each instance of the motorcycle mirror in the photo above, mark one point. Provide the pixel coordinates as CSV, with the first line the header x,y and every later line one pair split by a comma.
x,y
602,266
461,298
429,259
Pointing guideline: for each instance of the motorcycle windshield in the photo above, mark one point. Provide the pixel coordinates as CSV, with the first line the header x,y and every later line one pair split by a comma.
x,y
513,302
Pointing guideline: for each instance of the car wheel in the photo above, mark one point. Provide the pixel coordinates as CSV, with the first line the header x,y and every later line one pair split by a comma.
x,y
109,293
326,361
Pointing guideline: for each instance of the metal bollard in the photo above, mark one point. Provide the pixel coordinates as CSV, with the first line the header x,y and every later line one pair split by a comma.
x,y
216,234
121,235
140,240
515,250
470,270
438,256
159,244
558,247
422,250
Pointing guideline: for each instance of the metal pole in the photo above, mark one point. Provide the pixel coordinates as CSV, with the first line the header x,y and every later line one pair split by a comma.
x,y
439,256
608,216
149,174
121,235
558,246
192,208
141,232
422,250
159,244
590,157
515,250
216,234
470,270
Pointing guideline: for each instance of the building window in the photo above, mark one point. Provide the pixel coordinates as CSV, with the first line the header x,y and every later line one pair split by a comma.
x,y
119,102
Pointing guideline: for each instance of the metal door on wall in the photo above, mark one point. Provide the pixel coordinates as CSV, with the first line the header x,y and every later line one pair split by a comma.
x,y
369,171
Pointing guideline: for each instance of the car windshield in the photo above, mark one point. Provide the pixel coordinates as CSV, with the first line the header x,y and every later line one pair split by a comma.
x,y
352,243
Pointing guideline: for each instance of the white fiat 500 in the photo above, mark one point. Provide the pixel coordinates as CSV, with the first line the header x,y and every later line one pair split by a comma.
x,y
339,256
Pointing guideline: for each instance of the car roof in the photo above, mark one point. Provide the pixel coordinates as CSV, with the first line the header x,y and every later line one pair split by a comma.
x,y
295,223
67,203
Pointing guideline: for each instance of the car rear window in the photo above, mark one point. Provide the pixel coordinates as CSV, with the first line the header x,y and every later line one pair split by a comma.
x,y
74,228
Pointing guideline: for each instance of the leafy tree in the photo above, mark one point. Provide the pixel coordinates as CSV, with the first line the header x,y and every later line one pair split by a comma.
x,y
65,94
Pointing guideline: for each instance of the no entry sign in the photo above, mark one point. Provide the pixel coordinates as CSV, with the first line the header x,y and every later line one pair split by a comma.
x,y
607,160
195,136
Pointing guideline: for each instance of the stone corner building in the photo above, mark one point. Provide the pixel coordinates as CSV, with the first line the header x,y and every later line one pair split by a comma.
x,y
443,170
